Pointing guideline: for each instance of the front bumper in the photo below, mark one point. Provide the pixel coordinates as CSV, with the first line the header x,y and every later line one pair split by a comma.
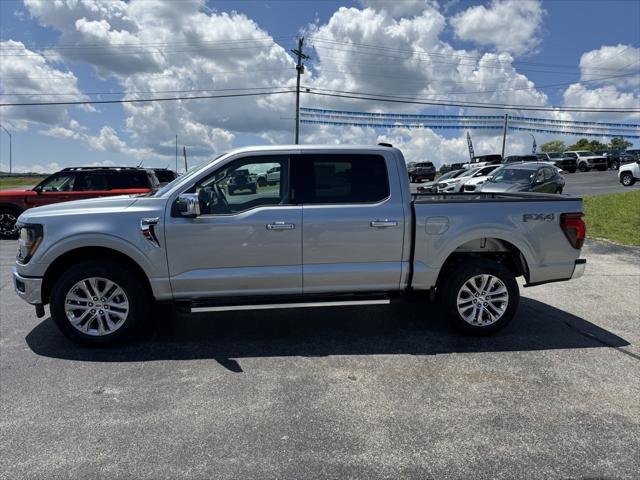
x,y
29,289
578,269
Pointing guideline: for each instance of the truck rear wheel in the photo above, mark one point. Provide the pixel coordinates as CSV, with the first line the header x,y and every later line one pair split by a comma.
x,y
480,296
627,179
99,302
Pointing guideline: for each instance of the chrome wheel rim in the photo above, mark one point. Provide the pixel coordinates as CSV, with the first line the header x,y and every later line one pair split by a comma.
x,y
626,180
8,224
96,306
482,300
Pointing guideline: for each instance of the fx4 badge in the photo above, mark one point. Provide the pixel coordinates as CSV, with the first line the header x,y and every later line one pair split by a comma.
x,y
538,217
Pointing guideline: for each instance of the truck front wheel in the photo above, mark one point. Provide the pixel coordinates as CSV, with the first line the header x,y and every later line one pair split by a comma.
x,y
99,302
480,296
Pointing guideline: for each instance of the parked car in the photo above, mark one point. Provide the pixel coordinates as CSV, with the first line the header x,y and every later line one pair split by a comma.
x,y
635,152
587,160
525,177
615,158
342,230
476,180
629,173
72,183
454,185
566,164
241,180
433,186
483,160
520,158
421,171
164,175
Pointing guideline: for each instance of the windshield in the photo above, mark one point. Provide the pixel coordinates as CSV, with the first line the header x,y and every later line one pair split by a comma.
x,y
554,155
451,174
513,175
584,154
189,173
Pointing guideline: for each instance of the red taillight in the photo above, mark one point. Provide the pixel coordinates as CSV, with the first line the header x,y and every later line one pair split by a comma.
x,y
574,228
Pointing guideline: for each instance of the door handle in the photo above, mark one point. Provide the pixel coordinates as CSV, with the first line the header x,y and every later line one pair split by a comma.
x,y
280,226
384,223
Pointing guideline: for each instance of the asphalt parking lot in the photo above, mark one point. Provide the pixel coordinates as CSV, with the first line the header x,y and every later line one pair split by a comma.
x,y
377,392
585,183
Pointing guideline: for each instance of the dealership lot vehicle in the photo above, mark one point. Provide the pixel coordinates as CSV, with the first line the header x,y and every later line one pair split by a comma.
x,y
74,183
587,160
363,239
480,177
164,175
454,185
629,173
421,171
525,177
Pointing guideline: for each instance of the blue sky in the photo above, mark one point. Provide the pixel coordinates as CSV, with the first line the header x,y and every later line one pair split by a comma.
x,y
78,44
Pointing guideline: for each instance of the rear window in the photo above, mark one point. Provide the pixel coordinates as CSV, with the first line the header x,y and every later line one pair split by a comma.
x,y
165,176
425,164
124,179
331,179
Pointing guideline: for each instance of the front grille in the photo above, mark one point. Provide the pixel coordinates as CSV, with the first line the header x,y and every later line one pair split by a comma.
x,y
469,188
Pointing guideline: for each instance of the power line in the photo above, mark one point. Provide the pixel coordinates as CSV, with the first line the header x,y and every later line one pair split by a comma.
x,y
412,100
142,100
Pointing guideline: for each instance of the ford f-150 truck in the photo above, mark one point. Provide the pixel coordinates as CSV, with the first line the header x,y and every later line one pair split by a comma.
x,y
340,228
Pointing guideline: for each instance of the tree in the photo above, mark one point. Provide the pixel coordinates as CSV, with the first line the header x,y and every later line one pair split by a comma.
x,y
619,144
554,146
596,146
582,144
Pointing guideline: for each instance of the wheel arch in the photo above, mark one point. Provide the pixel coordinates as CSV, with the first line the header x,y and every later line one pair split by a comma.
x,y
77,255
492,248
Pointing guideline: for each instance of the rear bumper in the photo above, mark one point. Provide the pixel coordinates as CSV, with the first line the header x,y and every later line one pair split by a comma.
x,y
579,268
29,289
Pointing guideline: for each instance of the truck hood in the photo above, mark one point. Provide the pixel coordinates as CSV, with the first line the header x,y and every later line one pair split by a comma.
x,y
78,207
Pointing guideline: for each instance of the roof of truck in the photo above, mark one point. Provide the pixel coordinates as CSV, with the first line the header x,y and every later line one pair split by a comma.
x,y
276,148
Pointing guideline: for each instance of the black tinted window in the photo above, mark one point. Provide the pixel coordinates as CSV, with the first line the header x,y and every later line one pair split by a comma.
x,y
330,179
165,176
129,179
92,181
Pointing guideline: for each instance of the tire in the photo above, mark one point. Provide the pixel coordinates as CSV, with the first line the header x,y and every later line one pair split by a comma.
x,y
558,191
572,170
615,165
8,218
254,189
457,283
627,179
262,182
583,167
131,300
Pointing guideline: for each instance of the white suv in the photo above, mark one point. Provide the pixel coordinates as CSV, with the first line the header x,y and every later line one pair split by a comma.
x,y
629,173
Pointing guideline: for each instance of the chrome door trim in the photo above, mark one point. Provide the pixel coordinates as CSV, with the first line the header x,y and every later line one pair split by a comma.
x,y
271,306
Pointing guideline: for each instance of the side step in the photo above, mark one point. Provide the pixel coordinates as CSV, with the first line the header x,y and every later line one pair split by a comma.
x,y
202,307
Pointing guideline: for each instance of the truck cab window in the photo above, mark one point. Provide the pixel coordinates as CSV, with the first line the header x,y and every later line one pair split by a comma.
x,y
244,184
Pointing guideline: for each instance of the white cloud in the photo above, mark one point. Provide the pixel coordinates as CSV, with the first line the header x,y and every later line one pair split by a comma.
x,y
397,8
607,96
508,25
33,77
611,65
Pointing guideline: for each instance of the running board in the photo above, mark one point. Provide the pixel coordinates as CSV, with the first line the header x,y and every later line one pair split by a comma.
x,y
270,306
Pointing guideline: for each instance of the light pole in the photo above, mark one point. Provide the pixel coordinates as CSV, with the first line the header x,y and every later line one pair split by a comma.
x,y
2,126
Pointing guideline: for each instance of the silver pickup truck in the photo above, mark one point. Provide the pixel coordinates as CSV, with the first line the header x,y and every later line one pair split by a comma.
x,y
339,227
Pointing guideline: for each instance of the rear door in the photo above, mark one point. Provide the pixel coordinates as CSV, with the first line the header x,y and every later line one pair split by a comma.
x,y
353,222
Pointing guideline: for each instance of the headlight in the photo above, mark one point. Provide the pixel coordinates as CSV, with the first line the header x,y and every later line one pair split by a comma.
x,y
30,239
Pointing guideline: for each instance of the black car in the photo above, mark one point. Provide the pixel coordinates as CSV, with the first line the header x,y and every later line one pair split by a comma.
x,y
491,159
164,175
568,164
421,171
525,177
242,180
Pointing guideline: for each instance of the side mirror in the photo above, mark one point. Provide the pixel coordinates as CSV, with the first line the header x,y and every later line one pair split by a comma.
x,y
38,189
187,205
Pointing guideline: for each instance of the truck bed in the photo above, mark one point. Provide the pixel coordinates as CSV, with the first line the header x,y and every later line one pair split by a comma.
x,y
419,198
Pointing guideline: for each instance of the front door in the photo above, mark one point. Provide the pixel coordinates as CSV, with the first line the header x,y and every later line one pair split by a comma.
x,y
247,239
353,223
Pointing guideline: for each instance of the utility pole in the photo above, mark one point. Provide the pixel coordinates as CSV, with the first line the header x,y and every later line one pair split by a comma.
x,y
300,70
504,133
10,159
176,153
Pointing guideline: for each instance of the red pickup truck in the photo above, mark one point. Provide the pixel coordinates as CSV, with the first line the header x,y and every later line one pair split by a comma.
x,y
74,183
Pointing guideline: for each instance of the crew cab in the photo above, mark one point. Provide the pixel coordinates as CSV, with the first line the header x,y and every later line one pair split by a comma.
x,y
341,229
587,160
566,164
69,184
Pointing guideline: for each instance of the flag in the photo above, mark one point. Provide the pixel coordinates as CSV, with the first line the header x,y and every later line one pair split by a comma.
x,y
534,145
184,154
470,147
